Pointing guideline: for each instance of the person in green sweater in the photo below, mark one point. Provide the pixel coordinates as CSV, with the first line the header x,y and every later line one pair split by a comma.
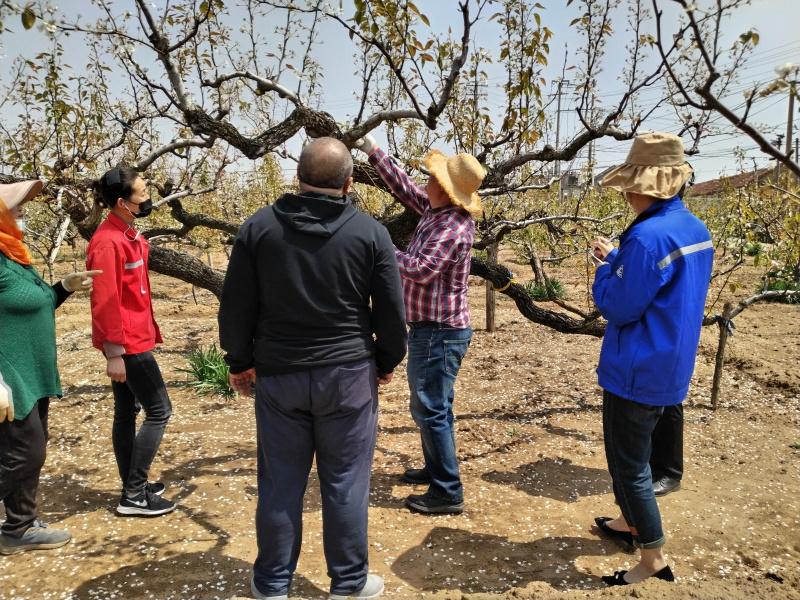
x,y
28,374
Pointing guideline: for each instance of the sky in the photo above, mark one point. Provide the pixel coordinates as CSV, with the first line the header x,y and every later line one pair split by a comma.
x,y
776,21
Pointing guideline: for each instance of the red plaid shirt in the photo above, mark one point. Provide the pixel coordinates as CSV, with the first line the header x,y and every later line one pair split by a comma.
x,y
435,269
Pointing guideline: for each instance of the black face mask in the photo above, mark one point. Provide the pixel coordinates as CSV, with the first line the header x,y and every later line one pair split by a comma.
x,y
145,208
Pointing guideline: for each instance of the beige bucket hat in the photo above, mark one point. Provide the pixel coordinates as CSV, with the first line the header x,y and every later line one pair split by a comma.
x,y
20,192
460,177
655,167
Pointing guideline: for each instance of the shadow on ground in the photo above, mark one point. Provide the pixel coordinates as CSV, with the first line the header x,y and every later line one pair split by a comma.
x,y
443,561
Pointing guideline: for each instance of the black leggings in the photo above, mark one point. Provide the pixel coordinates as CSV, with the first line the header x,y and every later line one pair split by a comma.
x,y
143,388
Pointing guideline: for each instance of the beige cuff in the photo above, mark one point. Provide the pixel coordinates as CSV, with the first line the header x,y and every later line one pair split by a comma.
x,y
113,350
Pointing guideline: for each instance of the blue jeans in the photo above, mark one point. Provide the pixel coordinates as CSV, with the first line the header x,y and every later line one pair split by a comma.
x,y
331,412
434,358
627,430
143,388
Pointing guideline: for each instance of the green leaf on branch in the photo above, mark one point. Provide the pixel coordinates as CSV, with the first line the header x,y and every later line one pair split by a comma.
x,y
28,18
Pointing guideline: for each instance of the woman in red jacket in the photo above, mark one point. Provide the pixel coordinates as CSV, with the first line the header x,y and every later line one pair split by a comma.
x,y
124,329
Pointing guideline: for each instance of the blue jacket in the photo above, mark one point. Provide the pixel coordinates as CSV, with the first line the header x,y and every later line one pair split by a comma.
x,y
653,295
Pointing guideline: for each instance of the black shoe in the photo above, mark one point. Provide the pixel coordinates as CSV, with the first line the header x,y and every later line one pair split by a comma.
x,y
625,536
416,476
156,488
145,504
426,503
666,485
618,578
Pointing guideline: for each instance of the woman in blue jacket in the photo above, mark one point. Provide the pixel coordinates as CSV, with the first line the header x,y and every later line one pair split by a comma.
x,y
652,292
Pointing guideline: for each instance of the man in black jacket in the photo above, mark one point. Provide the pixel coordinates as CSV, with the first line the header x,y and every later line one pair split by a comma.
x,y
310,280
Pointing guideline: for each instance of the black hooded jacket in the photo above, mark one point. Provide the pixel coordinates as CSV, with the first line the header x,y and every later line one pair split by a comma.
x,y
310,280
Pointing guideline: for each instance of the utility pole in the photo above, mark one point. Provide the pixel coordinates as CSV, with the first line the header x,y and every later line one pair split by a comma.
x,y
479,92
591,143
557,169
777,174
796,152
792,85
558,126
789,119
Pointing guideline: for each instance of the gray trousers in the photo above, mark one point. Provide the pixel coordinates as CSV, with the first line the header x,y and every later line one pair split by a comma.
x,y
331,412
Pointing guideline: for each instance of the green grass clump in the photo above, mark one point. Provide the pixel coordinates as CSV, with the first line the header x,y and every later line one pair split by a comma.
x,y
753,249
208,371
552,289
780,280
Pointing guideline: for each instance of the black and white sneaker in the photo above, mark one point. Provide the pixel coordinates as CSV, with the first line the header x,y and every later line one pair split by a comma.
x,y
156,488
145,504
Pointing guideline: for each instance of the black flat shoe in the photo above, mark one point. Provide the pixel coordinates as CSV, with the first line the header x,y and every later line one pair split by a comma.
x,y
618,578
625,536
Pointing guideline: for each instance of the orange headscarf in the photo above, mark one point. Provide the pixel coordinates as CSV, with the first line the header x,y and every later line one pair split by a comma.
x,y
11,237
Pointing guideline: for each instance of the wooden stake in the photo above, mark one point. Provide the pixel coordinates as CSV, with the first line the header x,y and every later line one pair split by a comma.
x,y
723,340
491,253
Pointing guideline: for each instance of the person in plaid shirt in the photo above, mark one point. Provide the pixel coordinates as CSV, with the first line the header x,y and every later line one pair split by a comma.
x,y
435,273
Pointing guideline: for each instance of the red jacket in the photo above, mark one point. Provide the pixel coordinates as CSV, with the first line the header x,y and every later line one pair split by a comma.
x,y
122,312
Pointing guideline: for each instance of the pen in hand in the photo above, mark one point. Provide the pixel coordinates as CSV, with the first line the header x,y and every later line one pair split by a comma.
x,y
603,246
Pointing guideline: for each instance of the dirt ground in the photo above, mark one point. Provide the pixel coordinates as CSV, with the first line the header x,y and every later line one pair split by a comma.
x,y
529,436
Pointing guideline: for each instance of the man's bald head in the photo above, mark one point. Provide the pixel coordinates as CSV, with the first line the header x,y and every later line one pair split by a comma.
x,y
325,163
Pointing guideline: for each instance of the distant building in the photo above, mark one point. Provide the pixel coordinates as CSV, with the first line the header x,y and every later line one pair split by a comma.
x,y
712,190
707,192
571,182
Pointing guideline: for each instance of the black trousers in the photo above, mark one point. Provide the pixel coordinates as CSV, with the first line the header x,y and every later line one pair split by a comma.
x,y
143,388
667,439
22,453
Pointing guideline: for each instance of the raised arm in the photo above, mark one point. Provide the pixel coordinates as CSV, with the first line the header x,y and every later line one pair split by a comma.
x,y
406,189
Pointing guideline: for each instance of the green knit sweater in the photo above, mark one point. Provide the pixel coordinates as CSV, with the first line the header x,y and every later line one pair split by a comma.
x,y
27,336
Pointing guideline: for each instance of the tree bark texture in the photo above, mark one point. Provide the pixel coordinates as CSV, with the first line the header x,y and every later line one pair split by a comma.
x,y
498,275
186,268
539,277
720,362
491,251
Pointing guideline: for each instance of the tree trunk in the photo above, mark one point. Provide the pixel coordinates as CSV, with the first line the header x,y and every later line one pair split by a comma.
x,y
60,232
498,275
539,278
723,340
186,268
491,252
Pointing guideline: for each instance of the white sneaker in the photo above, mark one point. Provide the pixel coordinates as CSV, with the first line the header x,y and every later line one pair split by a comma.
x,y
257,593
372,589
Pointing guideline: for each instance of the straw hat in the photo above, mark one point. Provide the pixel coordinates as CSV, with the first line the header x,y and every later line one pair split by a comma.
x,y
20,192
655,167
460,177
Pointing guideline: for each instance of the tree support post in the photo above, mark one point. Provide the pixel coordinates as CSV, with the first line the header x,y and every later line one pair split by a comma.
x,y
491,253
724,333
